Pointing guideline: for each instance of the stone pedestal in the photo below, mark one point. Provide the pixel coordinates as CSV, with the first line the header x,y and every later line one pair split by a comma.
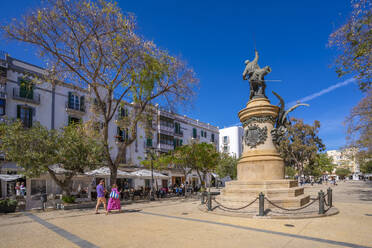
x,y
261,169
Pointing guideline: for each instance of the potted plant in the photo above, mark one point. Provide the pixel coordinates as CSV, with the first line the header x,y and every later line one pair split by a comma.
x,y
8,206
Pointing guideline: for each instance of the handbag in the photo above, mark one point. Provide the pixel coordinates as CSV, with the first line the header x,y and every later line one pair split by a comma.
x,y
114,195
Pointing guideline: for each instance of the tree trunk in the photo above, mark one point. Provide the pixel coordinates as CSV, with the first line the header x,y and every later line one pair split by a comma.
x,y
65,184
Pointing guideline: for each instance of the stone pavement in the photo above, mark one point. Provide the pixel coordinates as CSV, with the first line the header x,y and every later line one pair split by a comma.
x,y
181,224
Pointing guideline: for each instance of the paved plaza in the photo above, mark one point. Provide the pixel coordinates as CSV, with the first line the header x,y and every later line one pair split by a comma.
x,y
179,223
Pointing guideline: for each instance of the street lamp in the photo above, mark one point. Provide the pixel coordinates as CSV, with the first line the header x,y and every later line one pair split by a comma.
x,y
150,151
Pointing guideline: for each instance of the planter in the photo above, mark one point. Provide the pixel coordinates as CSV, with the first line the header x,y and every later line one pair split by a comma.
x,y
8,209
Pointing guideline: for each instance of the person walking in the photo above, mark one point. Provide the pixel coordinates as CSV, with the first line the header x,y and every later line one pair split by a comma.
x,y
23,189
114,201
101,195
18,189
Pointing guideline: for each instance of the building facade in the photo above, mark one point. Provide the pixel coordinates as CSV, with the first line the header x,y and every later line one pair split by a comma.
x,y
56,106
231,140
346,159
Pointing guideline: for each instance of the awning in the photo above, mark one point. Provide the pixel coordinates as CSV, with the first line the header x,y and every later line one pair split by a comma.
x,y
147,174
8,178
215,175
58,169
105,171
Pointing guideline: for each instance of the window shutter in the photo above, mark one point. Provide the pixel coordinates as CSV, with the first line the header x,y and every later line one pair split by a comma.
x,y
82,103
30,113
69,120
70,100
194,132
18,111
126,134
33,111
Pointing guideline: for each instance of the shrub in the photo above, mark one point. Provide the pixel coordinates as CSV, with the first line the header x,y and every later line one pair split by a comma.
x,y
68,199
8,202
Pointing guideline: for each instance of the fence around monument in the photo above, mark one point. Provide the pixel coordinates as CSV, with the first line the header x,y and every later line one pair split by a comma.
x,y
324,201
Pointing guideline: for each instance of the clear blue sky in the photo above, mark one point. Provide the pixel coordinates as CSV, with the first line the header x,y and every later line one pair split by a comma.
x,y
216,37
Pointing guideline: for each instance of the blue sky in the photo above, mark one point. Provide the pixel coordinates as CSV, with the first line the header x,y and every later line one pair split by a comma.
x,y
216,37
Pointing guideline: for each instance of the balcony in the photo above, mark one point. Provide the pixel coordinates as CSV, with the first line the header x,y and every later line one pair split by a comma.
x,y
179,134
165,147
29,97
75,109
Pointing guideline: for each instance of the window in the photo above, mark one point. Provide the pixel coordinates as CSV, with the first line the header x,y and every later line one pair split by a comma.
x,y
25,113
194,133
177,143
177,128
26,88
166,140
76,102
225,149
203,134
123,112
147,183
73,120
121,134
225,139
2,106
148,142
212,137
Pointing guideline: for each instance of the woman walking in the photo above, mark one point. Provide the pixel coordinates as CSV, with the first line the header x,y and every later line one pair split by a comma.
x,y
114,201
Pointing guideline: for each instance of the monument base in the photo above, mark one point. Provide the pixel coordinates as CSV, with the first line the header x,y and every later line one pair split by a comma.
x,y
284,193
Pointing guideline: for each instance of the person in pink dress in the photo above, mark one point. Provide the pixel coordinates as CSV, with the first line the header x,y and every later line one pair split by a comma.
x,y
114,201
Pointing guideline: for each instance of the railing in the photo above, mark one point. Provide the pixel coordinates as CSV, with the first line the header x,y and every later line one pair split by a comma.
x,y
75,107
30,96
325,204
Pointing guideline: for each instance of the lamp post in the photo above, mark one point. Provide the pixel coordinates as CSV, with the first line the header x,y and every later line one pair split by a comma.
x,y
150,152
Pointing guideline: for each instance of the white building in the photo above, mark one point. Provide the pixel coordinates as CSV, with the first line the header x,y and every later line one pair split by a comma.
x,y
56,107
346,158
231,140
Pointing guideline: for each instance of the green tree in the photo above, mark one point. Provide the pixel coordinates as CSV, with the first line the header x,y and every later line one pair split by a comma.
x,y
353,39
300,144
343,172
94,45
320,165
364,160
37,149
290,171
227,166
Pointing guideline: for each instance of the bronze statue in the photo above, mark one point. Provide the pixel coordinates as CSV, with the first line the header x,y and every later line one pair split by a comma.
x,y
255,75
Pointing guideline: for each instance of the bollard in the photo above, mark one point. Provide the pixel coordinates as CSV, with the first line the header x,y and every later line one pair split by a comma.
x,y
329,194
321,202
209,199
261,202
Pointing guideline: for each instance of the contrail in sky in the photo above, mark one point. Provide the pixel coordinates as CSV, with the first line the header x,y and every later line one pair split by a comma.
x,y
322,92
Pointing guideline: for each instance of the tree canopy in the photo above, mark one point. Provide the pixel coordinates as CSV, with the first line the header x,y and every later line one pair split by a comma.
x,y
353,39
93,44
300,144
36,149
227,166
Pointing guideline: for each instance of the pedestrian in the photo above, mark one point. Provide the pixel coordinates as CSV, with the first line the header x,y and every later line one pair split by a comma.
x,y
23,189
18,189
101,195
114,201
